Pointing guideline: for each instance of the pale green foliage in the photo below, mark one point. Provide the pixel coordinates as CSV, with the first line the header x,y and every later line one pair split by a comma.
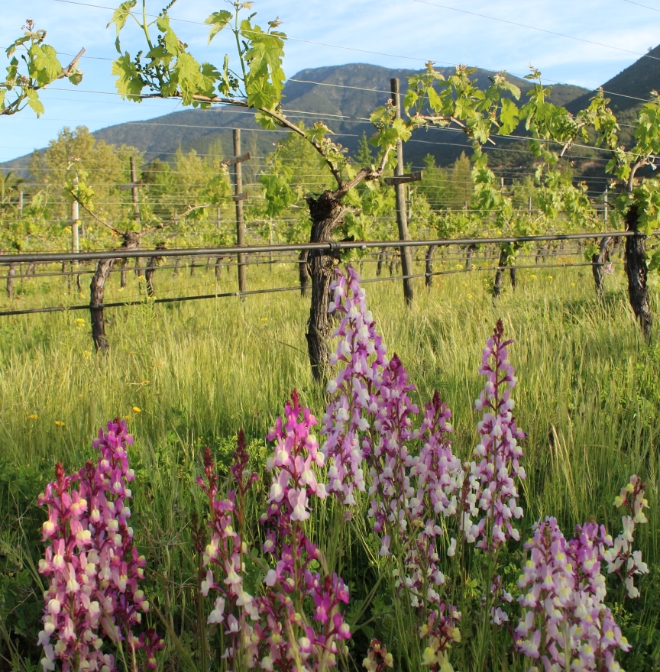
x,y
101,168
33,65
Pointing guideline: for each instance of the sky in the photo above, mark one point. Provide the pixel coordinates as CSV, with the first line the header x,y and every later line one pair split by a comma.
x,y
583,42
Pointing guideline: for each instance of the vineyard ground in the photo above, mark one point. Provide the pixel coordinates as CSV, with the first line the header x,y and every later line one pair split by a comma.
x,y
190,375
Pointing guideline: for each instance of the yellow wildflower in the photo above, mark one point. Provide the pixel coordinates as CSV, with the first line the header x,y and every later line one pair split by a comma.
x,y
33,416
136,409
59,423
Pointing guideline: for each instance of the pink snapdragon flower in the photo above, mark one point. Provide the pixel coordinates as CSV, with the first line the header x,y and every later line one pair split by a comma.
x,y
415,480
93,567
270,629
223,555
565,623
496,464
621,558
292,580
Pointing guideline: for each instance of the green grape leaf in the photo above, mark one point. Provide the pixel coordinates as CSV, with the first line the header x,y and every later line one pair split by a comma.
x,y
76,77
265,121
34,102
187,74
119,18
129,82
508,117
43,65
172,44
218,20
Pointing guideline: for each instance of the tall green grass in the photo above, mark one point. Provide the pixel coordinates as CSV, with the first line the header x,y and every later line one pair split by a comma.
x,y
191,374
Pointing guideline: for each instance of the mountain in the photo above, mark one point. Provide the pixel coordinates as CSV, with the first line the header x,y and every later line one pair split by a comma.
x,y
629,88
342,96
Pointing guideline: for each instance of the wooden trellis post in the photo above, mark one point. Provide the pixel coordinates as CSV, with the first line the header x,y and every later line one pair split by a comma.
x,y
238,197
399,181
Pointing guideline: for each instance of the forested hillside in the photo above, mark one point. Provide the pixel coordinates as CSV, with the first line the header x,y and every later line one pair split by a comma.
x,y
343,96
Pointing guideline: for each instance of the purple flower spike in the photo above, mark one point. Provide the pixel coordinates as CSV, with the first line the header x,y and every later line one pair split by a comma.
x,y
496,462
565,623
92,564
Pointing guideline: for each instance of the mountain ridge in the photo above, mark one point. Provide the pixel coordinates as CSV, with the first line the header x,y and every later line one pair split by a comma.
x,y
341,95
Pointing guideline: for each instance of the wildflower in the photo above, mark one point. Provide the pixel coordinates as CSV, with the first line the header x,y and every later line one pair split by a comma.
x,y
497,456
91,553
378,659
564,616
373,391
59,423
33,416
621,558
137,409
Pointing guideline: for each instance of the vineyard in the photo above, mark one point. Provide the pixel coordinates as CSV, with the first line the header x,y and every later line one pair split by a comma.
x,y
314,408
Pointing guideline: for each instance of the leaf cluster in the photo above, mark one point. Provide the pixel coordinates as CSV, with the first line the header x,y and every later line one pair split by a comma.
x,y
33,65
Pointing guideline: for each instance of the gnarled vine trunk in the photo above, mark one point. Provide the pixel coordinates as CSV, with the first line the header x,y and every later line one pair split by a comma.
x,y
97,292
218,267
151,269
122,282
327,214
598,260
11,274
381,259
637,272
468,257
429,266
499,274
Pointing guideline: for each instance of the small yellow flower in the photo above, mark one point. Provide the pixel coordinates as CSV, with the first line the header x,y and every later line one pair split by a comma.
x,y
87,353
532,276
572,284
33,416
137,409
469,296
264,319
59,423
550,277
80,322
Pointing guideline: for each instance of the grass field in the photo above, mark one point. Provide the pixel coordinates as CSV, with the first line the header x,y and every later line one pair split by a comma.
x,y
190,375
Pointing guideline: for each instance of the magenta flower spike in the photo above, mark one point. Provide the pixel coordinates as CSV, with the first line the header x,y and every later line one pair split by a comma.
x,y
223,555
270,629
92,565
293,581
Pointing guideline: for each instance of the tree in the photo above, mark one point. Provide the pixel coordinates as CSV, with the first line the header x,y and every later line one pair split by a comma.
x,y
254,79
103,167
33,65
9,186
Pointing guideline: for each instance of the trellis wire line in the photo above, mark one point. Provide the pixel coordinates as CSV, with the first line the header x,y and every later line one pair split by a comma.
x,y
179,299
330,247
449,258
477,269
541,30
147,301
201,267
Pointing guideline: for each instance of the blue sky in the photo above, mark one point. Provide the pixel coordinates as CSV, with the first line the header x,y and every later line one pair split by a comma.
x,y
405,33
